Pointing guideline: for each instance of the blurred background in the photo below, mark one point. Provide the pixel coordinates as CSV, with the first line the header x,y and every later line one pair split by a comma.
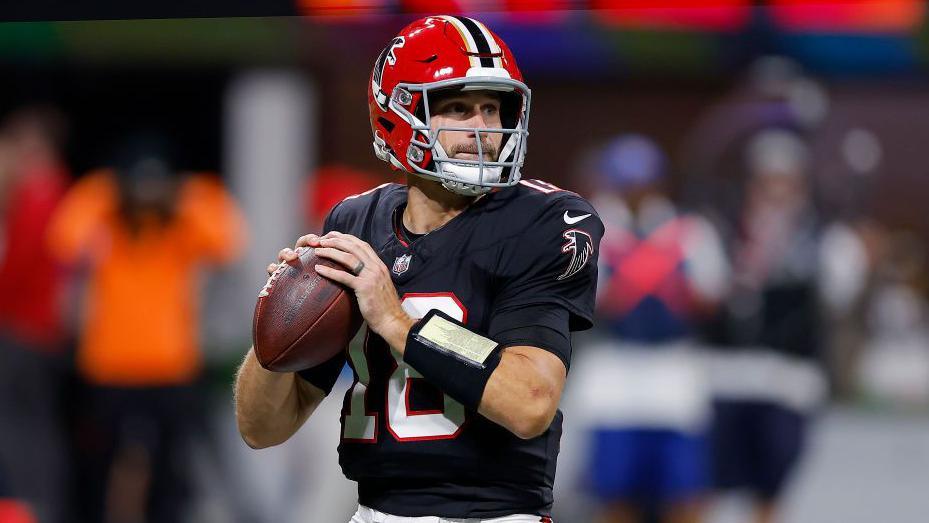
x,y
762,348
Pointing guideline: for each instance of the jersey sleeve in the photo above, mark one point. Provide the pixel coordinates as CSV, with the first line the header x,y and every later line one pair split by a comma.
x,y
551,268
345,217
332,221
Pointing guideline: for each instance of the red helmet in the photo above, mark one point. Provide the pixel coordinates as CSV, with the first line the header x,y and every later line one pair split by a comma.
x,y
447,52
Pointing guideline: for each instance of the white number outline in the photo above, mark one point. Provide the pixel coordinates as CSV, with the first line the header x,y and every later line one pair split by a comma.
x,y
542,187
358,393
360,397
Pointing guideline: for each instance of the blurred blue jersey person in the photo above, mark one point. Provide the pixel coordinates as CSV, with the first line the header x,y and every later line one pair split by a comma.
x,y
641,392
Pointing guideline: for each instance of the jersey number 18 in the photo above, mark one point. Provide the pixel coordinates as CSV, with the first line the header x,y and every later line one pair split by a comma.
x,y
403,422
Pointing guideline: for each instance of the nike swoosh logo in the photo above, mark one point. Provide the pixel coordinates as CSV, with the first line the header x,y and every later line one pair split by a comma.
x,y
571,220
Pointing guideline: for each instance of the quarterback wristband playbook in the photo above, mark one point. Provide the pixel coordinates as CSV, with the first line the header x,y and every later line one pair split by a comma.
x,y
451,357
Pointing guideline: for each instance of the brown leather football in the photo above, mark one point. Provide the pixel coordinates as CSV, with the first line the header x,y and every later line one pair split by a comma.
x,y
302,319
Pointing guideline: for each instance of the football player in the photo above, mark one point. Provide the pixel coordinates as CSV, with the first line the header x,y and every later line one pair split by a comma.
x,y
470,280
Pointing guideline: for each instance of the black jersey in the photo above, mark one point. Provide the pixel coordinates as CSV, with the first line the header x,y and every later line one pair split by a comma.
x,y
519,265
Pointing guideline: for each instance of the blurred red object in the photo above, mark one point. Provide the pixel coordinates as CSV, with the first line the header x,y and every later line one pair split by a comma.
x,y
440,6
849,15
342,8
428,7
330,185
13,511
30,299
697,15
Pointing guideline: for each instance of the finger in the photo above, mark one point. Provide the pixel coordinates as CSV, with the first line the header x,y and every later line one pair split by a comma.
x,y
339,243
360,249
340,276
341,235
308,240
337,234
271,268
364,246
287,254
365,252
347,260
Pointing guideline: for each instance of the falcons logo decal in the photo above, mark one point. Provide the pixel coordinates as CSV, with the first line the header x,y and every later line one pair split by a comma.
x,y
387,57
581,247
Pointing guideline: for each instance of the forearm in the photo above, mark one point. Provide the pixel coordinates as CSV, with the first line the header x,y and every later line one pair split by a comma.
x,y
520,397
395,330
521,394
270,406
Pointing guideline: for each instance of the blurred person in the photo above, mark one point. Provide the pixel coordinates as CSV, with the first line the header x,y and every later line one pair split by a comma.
x,y
852,252
640,390
33,349
429,432
893,369
765,368
141,231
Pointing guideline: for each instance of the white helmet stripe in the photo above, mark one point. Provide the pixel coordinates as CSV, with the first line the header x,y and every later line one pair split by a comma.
x,y
494,48
480,40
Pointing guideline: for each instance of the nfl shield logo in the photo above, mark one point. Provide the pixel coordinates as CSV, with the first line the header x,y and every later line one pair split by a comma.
x,y
402,263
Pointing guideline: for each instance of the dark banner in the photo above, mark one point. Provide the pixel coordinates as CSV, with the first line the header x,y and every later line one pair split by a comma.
x,y
35,10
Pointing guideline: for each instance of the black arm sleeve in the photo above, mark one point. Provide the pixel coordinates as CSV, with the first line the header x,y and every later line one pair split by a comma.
x,y
542,326
324,376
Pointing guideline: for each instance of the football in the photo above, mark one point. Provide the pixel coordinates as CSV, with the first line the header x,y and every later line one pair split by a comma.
x,y
301,318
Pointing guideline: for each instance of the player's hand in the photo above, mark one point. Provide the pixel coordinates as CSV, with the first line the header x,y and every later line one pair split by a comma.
x,y
367,275
288,255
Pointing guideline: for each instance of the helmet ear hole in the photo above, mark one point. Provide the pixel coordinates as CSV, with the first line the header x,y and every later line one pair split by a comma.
x,y
386,124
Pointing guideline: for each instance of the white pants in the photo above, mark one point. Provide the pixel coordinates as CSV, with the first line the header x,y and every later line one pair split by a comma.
x,y
369,515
